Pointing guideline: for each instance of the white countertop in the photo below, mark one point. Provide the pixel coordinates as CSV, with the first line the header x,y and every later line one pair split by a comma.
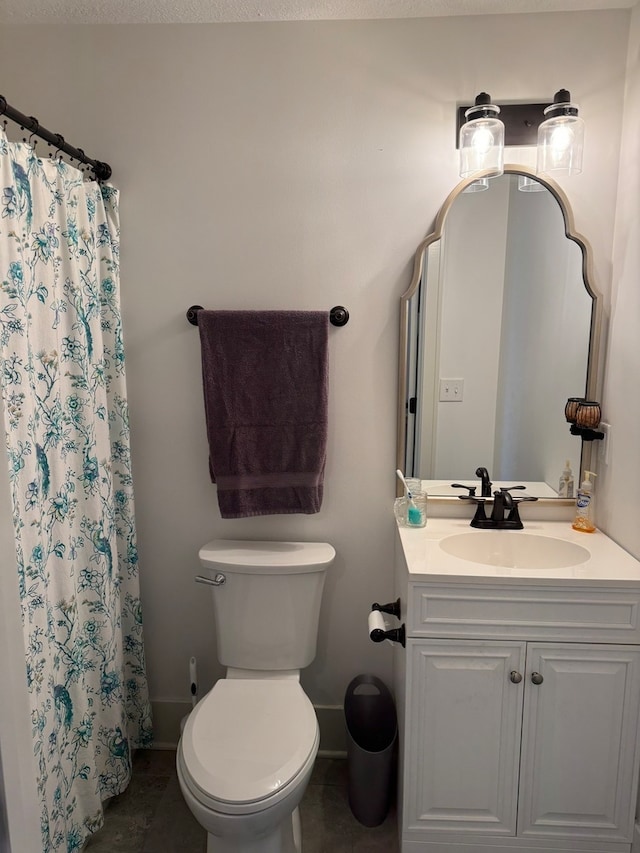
x,y
608,565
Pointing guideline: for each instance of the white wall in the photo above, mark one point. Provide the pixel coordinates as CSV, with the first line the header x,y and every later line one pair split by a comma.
x,y
617,502
294,166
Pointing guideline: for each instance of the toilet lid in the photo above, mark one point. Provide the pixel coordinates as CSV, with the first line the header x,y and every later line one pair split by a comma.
x,y
247,738
265,558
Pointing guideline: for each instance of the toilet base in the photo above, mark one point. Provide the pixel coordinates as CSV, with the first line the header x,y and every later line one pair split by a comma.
x,y
287,838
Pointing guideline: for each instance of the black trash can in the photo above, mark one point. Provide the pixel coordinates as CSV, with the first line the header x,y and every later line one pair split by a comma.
x,y
372,731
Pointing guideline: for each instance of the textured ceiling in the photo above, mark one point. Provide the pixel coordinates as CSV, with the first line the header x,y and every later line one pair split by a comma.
x,y
219,11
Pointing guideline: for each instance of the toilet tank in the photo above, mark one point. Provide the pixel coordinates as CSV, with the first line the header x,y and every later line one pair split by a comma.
x,y
267,610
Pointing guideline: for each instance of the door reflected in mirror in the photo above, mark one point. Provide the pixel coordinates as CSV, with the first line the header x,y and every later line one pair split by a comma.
x,y
498,331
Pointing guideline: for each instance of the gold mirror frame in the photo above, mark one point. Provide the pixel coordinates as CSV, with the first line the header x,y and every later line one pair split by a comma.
x,y
591,389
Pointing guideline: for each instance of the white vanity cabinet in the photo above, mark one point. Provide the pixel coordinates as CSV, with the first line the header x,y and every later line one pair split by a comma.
x,y
519,709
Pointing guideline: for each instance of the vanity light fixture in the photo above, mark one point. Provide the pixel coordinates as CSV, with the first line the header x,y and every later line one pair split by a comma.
x,y
561,138
482,139
556,129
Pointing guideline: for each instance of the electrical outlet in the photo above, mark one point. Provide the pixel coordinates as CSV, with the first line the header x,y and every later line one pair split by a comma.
x,y
451,390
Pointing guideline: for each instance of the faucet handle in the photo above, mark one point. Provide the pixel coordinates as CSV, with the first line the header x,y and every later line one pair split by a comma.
x,y
514,515
515,498
505,492
472,490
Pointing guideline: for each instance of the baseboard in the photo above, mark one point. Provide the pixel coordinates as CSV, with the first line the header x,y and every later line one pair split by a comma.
x,y
167,717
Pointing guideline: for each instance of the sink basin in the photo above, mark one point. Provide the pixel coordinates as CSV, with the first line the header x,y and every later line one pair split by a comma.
x,y
514,550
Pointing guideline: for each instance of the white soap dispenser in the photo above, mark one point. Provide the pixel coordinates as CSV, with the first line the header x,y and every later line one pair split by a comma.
x,y
582,521
565,488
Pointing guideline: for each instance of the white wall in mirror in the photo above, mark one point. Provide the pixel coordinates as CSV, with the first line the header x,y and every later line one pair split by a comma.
x,y
545,342
474,251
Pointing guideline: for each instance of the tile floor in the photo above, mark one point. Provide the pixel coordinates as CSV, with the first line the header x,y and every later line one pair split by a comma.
x,y
151,816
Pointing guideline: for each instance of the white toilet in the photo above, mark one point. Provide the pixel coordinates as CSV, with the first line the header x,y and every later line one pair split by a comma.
x,y
248,747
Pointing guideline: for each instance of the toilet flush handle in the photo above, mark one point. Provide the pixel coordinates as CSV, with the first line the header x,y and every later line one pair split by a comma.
x,y
219,580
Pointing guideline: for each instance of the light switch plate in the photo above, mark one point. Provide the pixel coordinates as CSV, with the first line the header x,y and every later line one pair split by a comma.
x,y
451,390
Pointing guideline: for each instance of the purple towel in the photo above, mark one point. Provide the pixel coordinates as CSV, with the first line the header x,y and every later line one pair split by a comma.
x,y
265,378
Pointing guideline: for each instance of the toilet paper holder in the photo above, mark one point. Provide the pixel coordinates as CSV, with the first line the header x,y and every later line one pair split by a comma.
x,y
378,631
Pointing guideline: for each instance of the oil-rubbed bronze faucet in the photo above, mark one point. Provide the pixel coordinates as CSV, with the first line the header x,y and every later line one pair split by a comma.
x,y
505,514
485,489
502,500
486,482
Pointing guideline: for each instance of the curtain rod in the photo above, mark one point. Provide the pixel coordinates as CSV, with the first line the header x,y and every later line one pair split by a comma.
x,y
101,170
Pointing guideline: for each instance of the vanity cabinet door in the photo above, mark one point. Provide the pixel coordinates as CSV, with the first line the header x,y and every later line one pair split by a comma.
x,y
463,742
579,752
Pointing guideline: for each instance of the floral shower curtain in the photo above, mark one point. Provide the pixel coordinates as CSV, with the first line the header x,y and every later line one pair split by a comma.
x,y
67,429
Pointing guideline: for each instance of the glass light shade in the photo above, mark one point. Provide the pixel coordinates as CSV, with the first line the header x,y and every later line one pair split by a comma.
x,y
477,186
528,185
561,141
482,142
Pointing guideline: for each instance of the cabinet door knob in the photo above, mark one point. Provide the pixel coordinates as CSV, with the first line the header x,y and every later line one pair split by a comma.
x,y
515,677
536,678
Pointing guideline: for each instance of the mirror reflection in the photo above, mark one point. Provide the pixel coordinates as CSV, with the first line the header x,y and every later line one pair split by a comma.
x,y
497,335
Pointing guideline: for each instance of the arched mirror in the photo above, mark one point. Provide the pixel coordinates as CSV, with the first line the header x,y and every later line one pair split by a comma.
x,y
499,326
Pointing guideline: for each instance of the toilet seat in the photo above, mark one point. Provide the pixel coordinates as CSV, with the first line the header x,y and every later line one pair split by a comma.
x,y
246,742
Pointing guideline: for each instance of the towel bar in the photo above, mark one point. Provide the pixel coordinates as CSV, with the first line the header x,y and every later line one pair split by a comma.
x,y
338,315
